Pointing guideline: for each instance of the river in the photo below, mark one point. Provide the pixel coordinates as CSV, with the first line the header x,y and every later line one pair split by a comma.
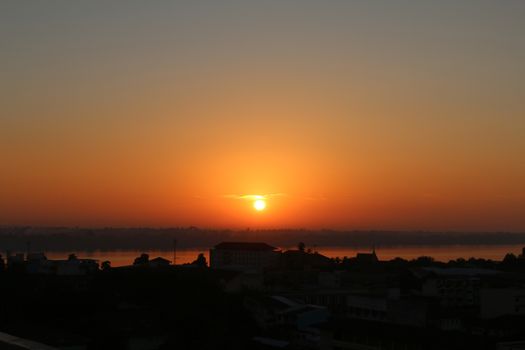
x,y
439,253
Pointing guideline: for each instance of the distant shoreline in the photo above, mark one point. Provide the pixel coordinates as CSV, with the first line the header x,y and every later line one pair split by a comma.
x,y
87,239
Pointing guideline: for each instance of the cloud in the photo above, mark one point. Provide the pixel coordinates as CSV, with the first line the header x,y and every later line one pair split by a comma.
x,y
253,197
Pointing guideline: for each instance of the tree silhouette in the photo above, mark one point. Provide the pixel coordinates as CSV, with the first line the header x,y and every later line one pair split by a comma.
x,y
143,259
424,261
509,258
200,261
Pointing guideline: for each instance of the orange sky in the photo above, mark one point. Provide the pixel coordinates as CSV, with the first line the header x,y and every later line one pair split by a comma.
x,y
345,116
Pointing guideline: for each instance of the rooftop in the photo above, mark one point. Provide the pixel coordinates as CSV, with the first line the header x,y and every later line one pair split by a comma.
x,y
160,259
20,343
459,271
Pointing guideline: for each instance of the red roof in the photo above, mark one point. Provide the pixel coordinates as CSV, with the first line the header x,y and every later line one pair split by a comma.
x,y
253,246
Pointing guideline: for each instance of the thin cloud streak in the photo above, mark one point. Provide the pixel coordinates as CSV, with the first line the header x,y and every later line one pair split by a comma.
x,y
252,197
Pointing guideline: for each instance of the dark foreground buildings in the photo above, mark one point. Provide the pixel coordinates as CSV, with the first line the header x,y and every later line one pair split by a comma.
x,y
257,297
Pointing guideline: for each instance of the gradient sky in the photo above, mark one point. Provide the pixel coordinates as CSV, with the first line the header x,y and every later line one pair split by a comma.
x,y
345,114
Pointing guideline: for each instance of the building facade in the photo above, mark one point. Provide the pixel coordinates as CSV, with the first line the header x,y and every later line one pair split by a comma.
x,y
243,256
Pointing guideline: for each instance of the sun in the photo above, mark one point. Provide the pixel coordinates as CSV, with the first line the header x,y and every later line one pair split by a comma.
x,y
259,204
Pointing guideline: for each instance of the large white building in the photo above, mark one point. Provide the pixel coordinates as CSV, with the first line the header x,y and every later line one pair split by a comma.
x,y
454,287
243,256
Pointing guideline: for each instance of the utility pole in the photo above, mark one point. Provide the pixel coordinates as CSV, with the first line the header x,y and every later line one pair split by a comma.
x,y
174,251
28,248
